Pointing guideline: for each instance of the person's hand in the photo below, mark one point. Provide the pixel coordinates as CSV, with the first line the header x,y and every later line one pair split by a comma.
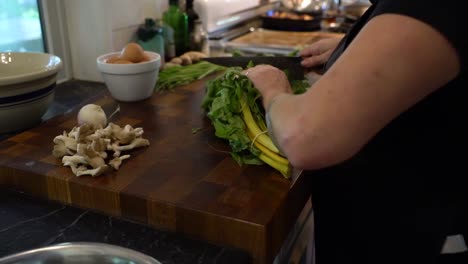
x,y
270,81
319,52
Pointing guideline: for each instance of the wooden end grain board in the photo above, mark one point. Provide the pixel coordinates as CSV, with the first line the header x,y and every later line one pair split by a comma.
x,y
183,182
280,39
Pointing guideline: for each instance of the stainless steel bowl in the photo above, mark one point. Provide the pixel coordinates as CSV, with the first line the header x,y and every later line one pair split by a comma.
x,y
352,8
306,6
79,253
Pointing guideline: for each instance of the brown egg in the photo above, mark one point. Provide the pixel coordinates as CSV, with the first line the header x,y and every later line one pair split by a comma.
x,y
122,61
132,52
145,58
112,59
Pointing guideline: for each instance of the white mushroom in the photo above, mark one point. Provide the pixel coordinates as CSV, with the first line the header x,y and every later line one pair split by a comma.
x,y
75,169
74,162
138,131
100,146
85,148
116,162
81,132
92,157
114,147
75,159
64,145
125,135
93,172
136,143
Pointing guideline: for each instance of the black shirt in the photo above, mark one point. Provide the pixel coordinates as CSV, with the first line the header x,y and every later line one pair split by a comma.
x,y
407,184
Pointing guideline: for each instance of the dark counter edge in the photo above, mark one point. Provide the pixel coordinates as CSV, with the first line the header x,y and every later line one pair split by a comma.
x,y
28,222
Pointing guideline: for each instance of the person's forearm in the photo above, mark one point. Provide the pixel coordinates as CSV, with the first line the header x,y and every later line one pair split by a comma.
x,y
295,133
302,128
359,95
267,105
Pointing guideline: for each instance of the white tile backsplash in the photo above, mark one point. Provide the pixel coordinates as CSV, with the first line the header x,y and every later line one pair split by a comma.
x,y
101,26
122,36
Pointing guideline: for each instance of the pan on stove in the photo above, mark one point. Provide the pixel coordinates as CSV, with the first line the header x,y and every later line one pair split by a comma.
x,y
291,21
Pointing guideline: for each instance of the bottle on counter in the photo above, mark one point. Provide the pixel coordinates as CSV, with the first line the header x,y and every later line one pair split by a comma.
x,y
150,37
177,19
191,15
169,42
199,38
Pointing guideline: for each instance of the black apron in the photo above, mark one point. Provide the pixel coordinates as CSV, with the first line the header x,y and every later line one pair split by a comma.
x,y
393,202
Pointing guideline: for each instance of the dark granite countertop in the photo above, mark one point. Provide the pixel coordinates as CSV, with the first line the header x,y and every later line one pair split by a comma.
x,y
28,222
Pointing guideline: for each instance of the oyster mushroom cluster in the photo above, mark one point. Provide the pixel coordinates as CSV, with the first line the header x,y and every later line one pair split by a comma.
x,y
91,149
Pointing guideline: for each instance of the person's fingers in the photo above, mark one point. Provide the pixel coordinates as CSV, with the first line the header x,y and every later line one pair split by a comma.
x,y
312,50
316,48
316,60
260,69
254,73
319,47
276,78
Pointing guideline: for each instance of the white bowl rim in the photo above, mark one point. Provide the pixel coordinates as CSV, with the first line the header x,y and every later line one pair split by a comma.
x,y
43,72
135,68
101,59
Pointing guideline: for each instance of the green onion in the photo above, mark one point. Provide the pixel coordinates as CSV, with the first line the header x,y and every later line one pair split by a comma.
x,y
183,75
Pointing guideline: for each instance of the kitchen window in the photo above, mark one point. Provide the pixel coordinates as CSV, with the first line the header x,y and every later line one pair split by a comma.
x,y
36,26
20,26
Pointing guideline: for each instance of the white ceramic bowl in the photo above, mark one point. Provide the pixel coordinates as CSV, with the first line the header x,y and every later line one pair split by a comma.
x,y
27,88
130,82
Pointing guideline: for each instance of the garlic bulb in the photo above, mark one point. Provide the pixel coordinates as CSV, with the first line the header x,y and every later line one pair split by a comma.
x,y
92,114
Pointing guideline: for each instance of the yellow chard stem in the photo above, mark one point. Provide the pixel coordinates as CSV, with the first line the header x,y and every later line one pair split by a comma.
x,y
266,151
282,168
252,126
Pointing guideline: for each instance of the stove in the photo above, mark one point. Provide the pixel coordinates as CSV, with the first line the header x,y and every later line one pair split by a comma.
x,y
237,25
226,20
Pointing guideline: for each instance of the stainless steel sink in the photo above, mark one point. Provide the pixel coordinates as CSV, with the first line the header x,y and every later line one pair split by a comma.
x,y
79,253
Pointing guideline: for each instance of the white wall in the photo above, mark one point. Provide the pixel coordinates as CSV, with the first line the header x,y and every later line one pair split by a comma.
x,y
96,27
53,12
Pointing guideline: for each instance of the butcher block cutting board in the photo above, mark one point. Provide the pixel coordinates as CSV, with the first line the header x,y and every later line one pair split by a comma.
x,y
277,39
184,181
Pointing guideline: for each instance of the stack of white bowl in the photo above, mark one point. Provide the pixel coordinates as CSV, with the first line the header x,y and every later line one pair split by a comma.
x,y
27,88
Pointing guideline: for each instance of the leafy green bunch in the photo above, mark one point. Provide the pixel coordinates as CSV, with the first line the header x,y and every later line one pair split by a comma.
x,y
234,107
